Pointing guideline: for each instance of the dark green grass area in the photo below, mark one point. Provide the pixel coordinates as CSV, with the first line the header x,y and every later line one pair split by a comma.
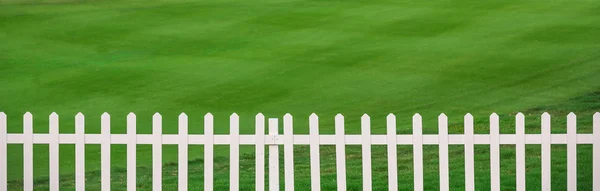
x,y
299,57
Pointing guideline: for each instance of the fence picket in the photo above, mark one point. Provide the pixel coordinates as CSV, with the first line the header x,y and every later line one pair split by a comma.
x,y
366,152
80,152
571,152
105,152
392,153
494,152
469,154
596,157
340,152
273,156
3,153
315,169
288,132
443,151
157,152
28,152
208,151
546,141
260,152
53,152
131,152
183,152
520,151
234,152
418,152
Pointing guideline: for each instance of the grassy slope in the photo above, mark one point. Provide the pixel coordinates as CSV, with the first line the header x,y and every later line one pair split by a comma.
x,y
287,56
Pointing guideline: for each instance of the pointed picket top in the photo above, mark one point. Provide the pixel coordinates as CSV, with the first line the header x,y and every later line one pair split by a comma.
x,y
417,116
2,122
288,124
234,124
571,123
365,117
545,117
234,115
339,124
365,124
130,115
157,115
28,115
442,119
391,123
442,115
258,116
53,120
313,124
520,115
494,115
183,116
468,116
105,115
79,123
545,114
391,115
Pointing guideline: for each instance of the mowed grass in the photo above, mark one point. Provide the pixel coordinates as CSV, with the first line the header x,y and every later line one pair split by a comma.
x,y
299,57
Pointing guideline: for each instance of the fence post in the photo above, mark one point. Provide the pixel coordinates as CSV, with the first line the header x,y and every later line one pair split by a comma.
x,y
105,153
183,152
392,152
3,153
315,168
520,151
546,162
208,151
157,152
417,152
340,152
234,152
572,152
260,152
288,130
28,152
469,153
131,152
443,151
53,150
273,155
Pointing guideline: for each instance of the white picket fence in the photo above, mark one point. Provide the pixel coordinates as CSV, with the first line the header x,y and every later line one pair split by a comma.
x,y
273,139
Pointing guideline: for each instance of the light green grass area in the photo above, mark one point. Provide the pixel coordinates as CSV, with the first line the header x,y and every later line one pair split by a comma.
x,y
299,57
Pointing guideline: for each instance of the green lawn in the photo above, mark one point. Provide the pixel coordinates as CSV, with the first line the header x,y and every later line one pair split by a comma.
x,y
299,57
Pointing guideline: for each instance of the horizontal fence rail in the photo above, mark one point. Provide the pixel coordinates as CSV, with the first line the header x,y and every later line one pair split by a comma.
x,y
273,140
